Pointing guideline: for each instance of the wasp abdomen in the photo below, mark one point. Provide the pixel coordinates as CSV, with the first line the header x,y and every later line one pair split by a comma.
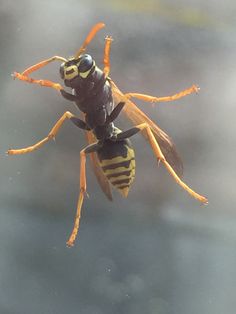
x,y
117,161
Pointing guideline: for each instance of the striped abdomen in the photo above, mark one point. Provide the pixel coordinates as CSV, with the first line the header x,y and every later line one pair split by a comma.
x,y
118,164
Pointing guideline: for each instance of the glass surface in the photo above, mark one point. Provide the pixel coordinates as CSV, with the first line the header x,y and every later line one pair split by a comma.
x,y
158,251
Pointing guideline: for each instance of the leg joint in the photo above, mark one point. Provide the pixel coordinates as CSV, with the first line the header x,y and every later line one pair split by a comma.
x,y
143,126
68,114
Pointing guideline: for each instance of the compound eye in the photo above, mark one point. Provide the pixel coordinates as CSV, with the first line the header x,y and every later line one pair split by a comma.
x,y
85,64
62,67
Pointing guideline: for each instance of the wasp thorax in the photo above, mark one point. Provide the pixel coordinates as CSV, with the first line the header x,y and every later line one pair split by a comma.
x,y
81,66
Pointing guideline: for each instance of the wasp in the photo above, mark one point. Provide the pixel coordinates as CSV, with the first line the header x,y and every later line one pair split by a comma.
x,y
100,100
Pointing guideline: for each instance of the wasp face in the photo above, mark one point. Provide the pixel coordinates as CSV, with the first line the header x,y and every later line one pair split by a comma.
x,y
80,67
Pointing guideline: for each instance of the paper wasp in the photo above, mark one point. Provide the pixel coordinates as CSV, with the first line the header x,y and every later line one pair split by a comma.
x,y
97,96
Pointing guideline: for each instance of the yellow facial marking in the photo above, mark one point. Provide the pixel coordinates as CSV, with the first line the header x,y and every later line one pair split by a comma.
x,y
85,74
71,72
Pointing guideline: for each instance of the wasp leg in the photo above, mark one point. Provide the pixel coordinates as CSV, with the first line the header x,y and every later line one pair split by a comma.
x,y
69,96
45,83
126,134
24,76
41,64
106,59
148,98
89,38
80,123
158,153
87,150
51,135
115,112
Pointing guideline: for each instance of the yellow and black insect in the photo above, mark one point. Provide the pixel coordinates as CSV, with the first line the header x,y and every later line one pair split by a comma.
x,y
97,96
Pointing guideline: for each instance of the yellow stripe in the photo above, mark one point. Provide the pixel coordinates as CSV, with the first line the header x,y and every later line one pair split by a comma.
x,y
131,179
118,186
130,151
123,177
118,159
116,170
113,161
120,169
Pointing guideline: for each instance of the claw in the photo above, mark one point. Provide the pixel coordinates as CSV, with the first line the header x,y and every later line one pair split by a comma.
x,y
69,244
196,88
9,152
109,38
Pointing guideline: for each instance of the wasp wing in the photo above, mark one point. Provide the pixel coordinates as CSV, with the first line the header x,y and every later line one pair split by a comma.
x,y
101,178
137,116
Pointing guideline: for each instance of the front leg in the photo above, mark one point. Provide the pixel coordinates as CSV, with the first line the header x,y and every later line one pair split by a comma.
x,y
24,76
45,83
69,96
52,134
106,59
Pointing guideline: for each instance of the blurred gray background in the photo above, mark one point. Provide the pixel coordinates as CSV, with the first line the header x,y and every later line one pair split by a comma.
x,y
159,251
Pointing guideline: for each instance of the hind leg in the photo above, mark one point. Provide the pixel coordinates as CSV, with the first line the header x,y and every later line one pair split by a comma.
x,y
159,155
87,150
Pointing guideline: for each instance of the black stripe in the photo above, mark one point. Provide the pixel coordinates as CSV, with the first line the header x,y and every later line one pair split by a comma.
x,y
118,182
115,175
117,165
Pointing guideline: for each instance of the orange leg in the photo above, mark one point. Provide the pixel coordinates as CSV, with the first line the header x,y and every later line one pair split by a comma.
x,y
46,83
51,135
192,89
24,76
42,64
106,59
158,153
89,38
74,232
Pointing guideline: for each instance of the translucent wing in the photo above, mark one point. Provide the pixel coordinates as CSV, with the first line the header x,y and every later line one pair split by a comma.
x,y
102,180
136,116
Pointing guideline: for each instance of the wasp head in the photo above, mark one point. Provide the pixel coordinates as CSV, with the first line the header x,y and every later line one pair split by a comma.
x,y
77,68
